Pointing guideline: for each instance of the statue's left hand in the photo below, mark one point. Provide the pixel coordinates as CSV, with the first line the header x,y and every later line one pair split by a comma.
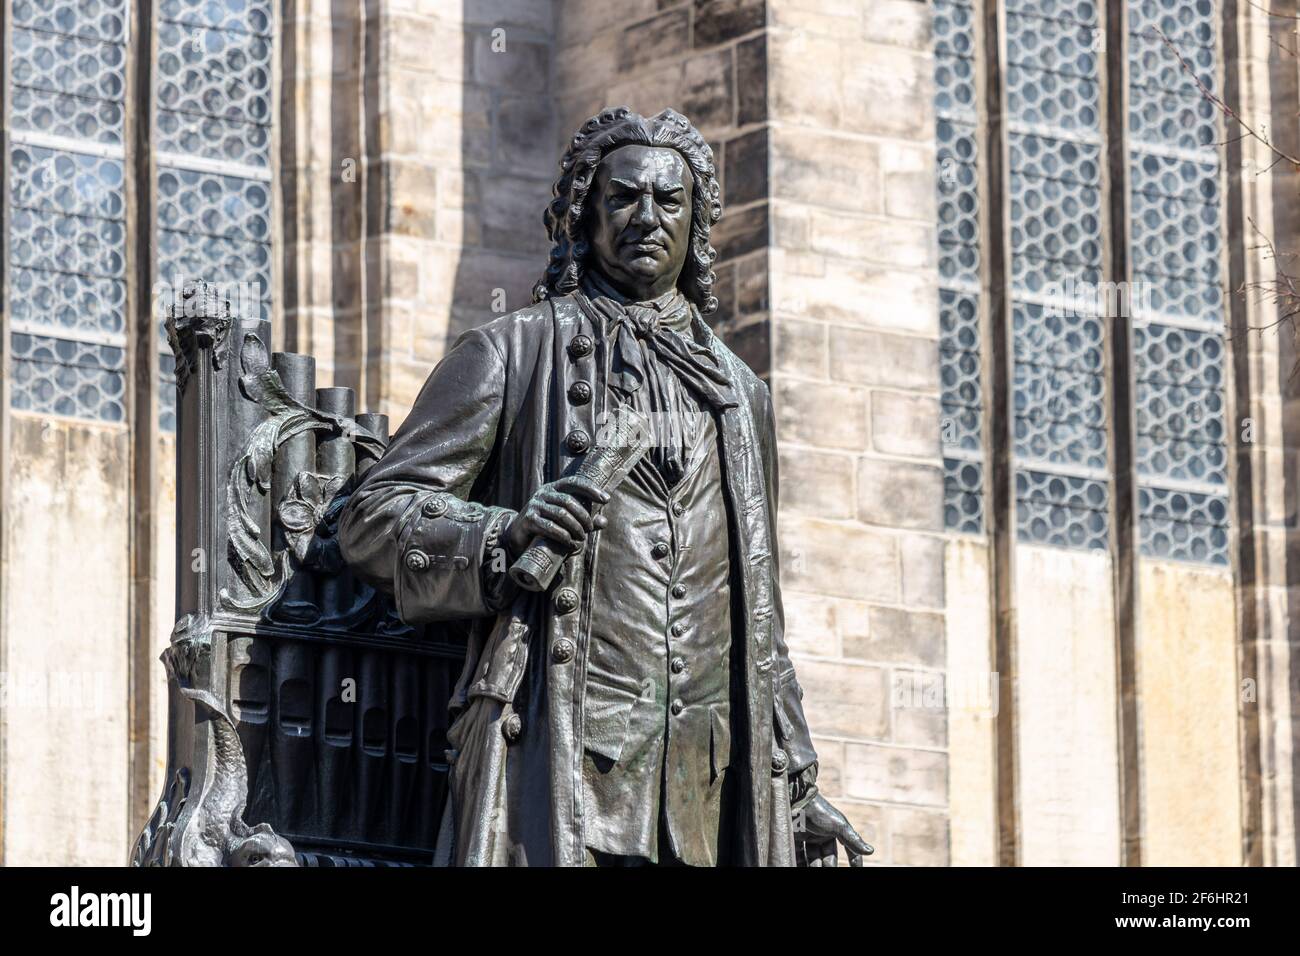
x,y
819,827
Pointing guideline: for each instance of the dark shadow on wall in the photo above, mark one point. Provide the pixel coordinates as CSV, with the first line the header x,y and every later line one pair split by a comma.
x,y
508,159
524,97
348,195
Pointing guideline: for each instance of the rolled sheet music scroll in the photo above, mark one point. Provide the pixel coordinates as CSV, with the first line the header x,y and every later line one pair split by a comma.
x,y
622,440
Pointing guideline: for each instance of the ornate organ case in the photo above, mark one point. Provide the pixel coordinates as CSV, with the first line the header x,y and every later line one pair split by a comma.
x,y
306,723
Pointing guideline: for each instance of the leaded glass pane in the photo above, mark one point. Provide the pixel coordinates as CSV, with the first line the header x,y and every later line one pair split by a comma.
x,y
1176,236
1059,392
959,264
213,97
65,212
1061,510
66,377
1054,59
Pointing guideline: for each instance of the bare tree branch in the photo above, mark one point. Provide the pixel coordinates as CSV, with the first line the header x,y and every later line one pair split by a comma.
x,y
1270,12
1223,107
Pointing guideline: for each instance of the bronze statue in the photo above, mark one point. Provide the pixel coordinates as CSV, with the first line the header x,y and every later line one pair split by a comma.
x,y
642,708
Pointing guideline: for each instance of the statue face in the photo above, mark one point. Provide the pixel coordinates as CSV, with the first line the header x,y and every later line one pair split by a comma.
x,y
640,227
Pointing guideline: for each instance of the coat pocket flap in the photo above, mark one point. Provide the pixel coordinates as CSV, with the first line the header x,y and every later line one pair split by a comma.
x,y
605,720
720,737
501,666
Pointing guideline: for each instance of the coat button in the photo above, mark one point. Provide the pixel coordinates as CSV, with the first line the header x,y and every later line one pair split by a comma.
x,y
417,561
678,707
580,346
511,728
562,651
435,507
566,600
679,509
678,665
679,629
659,551
780,761
580,393
679,590
577,441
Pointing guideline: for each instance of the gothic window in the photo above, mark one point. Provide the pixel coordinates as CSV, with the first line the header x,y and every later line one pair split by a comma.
x,y
212,136
1176,241
65,216
959,264
1054,127
1061,297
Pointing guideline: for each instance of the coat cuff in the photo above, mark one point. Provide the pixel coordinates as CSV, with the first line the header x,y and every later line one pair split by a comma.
x,y
803,787
445,563
792,727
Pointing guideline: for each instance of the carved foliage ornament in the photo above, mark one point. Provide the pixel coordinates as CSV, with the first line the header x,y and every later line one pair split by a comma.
x,y
263,574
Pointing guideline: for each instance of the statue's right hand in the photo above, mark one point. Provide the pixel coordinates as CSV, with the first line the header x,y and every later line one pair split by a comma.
x,y
561,512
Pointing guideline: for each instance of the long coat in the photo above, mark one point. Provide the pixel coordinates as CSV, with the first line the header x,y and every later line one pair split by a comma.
x,y
495,421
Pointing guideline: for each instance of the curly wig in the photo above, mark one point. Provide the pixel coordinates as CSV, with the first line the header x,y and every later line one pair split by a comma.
x,y
565,216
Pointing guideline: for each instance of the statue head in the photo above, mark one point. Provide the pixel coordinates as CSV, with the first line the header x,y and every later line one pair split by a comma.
x,y
635,200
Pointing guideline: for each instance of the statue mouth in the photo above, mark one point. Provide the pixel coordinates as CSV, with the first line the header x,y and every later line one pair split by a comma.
x,y
645,246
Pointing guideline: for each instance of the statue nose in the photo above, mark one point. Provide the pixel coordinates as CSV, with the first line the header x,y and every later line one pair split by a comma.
x,y
645,212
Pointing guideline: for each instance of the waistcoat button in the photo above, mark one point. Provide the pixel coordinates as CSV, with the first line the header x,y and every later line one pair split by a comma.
x,y
678,665
562,651
659,551
679,629
678,707
679,590
566,600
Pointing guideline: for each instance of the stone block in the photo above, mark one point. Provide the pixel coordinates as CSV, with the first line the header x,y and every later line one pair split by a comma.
x,y
896,635
880,358
888,92
720,21
890,242
810,624
922,562
829,416
909,174
917,837
816,484
520,124
839,560
823,169
845,700
903,424
896,774
745,173
802,348
660,37
899,494
751,81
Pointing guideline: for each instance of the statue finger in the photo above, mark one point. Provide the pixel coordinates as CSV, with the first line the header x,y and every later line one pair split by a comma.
x,y
572,506
553,532
854,843
584,487
563,517
821,854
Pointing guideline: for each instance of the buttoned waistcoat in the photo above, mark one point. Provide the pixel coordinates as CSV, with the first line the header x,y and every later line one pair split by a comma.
x,y
656,718
511,406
